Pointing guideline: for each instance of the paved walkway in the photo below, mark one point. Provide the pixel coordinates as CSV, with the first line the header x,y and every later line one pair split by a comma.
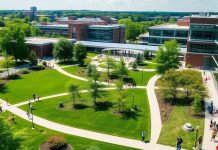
x,y
64,94
156,124
207,144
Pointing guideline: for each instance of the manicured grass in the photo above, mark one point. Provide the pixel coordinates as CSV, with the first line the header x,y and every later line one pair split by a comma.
x,y
133,75
42,83
92,54
141,78
147,66
34,138
100,120
172,127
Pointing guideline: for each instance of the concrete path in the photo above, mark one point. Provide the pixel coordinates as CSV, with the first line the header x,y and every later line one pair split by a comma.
x,y
65,94
156,124
207,144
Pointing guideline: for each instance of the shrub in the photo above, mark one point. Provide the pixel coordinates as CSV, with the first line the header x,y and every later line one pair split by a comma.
x,y
37,68
189,66
13,76
44,63
25,71
56,142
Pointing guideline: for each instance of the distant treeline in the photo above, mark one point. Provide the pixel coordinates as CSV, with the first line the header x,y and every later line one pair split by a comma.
x,y
136,16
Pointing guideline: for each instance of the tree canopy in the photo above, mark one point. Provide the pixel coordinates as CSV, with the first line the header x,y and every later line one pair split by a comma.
x,y
80,53
63,50
167,56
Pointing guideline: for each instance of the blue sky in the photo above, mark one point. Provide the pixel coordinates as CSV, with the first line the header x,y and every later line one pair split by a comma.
x,y
122,5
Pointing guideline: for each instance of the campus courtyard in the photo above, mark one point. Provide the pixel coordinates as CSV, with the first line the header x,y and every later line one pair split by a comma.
x,y
142,109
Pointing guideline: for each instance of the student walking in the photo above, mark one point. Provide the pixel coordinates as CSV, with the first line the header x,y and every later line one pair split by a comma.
x,y
143,136
179,143
213,135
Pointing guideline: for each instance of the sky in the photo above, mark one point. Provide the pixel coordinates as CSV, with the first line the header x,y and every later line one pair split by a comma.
x,y
114,5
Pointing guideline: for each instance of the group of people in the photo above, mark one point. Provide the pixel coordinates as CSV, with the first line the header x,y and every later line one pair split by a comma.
x,y
130,85
214,128
35,97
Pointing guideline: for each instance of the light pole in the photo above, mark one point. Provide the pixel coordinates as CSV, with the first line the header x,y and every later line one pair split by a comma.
x,y
133,99
31,110
197,128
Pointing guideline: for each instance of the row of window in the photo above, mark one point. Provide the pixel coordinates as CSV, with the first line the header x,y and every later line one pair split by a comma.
x,y
210,49
168,33
203,35
161,41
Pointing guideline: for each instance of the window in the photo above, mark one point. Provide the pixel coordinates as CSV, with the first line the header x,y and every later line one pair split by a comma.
x,y
169,33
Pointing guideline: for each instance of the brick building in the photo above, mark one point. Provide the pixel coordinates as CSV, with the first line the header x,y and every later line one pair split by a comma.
x,y
202,46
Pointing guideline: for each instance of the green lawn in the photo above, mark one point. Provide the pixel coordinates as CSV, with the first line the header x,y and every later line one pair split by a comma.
x,y
34,138
141,78
172,127
42,83
92,54
100,120
148,66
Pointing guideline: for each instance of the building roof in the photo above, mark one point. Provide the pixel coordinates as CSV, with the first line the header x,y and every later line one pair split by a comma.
x,y
170,27
123,46
41,41
107,26
53,25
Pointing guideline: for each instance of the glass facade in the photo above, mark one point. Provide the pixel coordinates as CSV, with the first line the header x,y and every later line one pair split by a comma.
x,y
181,33
168,33
203,32
101,35
153,32
202,48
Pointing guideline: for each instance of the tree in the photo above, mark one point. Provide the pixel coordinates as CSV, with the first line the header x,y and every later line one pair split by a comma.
x,y
167,56
63,50
146,54
198,104
7,62
44,19
139,59
110,63
73,89
121,70
80,53
94,86
13,41
169,84
120,94
134,65
89,70
9,139
33,58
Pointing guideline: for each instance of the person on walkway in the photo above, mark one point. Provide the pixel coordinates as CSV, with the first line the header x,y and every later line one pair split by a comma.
x,y
211,124
213,135
143,136
38,98
179,143
34,97
28,114
29,103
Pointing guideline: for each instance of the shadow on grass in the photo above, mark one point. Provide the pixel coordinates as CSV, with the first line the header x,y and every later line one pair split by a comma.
x,y
3,89
129,80
80,106
179,101
69,62
103,106
130,114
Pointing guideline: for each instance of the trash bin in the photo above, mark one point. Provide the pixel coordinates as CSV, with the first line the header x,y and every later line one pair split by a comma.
x,y
61,104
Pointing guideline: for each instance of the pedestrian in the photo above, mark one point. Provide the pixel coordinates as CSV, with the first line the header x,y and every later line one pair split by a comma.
x,y
1,109
34,97
28,114
211,123
38,98
179,143
143,136
213,135
214,124
200,139
12,119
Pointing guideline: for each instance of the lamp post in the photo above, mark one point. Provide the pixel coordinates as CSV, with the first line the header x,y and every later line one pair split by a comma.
x,y
133,99
197,128
31,110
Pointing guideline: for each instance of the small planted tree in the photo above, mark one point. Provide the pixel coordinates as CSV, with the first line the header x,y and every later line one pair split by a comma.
x,y
139,59
134,65
73,89
198,104
121,70
80,53
146,54
33,58
94,86
120,95
89,70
